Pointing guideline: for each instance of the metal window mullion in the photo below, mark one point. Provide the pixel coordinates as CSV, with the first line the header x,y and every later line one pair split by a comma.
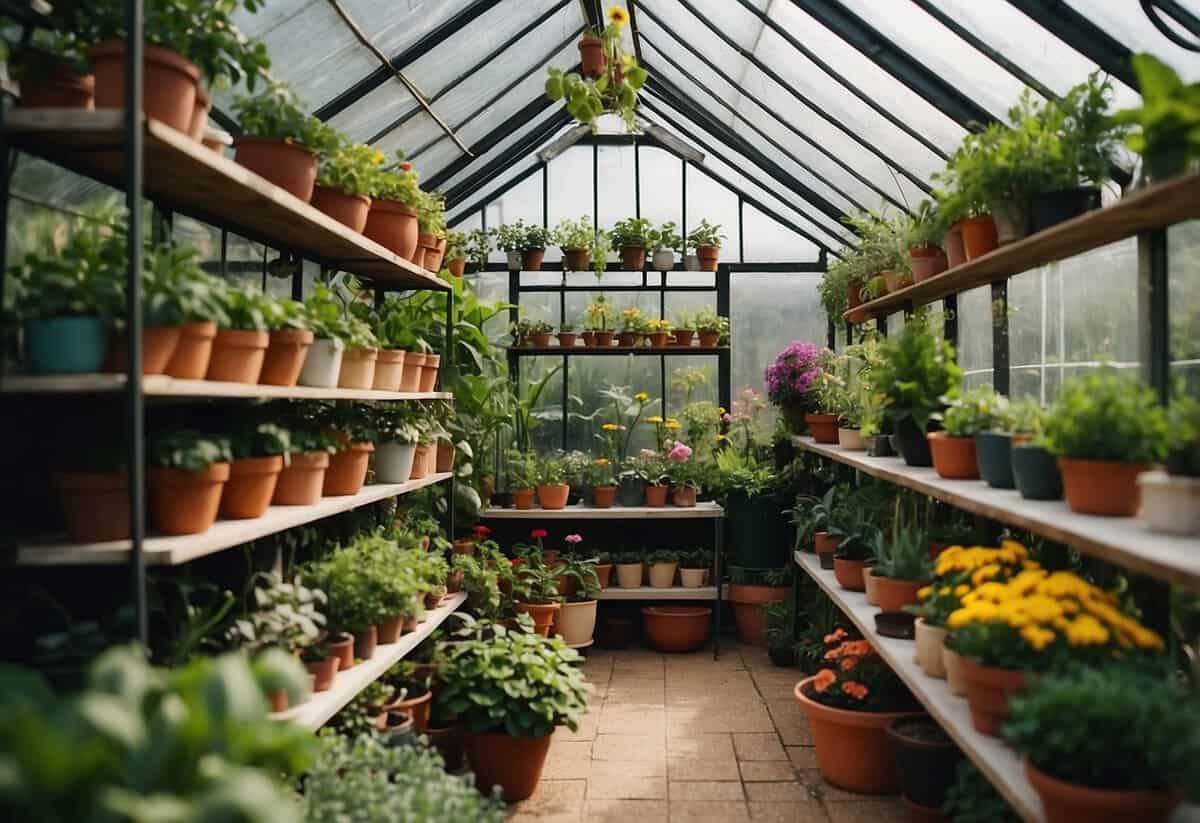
x,y
1000,370
1154,329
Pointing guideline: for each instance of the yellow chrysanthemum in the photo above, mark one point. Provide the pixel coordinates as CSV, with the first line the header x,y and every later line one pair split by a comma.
x,y
601,461
961,589
654,419
378,157
641,397
1037,637
617,15
721,438
1087,631
924,592
672,425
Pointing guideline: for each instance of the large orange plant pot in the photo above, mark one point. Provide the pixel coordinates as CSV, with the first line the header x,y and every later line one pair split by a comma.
x,y
553,497
676,629
1102,486
394,226
512,763
748,602
824,427
285,163
237,356
183,502
953,457
988,690
300,482
158,346
1071,803
894,595
95,505
849,574
358,368
284,359
410,378
347,470
522,499
348,209
250,487
429,372
169,82
190,359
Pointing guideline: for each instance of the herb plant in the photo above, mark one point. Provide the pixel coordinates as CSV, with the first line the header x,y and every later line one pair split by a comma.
x,y
918,375
705,234
977,410
275,113
1167,134
1105,415
187,450
350,169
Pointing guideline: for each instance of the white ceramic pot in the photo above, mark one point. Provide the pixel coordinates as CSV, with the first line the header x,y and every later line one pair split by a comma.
x,y
691,263
692,578
663,260
851,440
629,575
930,642
872,587
952,662
662,575
323,363
514,260
1170,503
576,622
394,462
358,368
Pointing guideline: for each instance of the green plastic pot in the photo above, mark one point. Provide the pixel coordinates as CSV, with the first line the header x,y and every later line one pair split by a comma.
x,y
993,453
756,529
1036,473
631,491
66,345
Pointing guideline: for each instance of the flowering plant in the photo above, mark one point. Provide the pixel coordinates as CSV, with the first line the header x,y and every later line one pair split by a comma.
x,y
856,678
683,469
599,473
790,378
627,412
649,466
632,320
959,570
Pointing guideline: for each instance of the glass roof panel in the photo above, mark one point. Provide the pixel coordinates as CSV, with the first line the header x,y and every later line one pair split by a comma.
x,y
397,25
445,152
1129,24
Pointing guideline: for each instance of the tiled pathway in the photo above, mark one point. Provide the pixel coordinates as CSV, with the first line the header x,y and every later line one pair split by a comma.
x,y
686,739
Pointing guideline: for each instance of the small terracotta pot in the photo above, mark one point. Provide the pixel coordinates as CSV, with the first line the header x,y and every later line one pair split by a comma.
x,y
577,259
658,339
603,496
553,497
849,574
896,280
158,346
1102,487
457,266
347,470
358,368
542,614
429,372
988,690
604,574
748,602
512,763
628,339
871,586
629,575
633,258
237,356
953,457
824,427
200,113
522,499
684,497
464,545
426,242
566,339
417,708
956,255
323,672
709,339
979,236
894,595
95,505
250,487
853,295
926,262
183,502
676,629
1070,802
434,255
589,338
929,642
365,642
604,339
539,341
300,481
350,210
662,575
682,337
825,545
286,164
410,378
531,259
388,631
169,90
389,370
392,225
656,495
56,86
341,649
709,257
952,662
190,359
592,61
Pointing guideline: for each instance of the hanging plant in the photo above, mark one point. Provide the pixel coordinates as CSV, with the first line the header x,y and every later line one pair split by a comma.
x,y
608,86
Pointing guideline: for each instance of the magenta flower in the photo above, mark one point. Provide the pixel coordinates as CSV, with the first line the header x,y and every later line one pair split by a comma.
x,y
573,539
680,452
794,371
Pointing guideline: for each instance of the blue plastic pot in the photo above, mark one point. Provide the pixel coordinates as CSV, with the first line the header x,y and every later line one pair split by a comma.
x,y
994,454
66,345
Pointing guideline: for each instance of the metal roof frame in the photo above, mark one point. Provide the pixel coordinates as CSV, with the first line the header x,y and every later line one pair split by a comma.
x,y
1081,34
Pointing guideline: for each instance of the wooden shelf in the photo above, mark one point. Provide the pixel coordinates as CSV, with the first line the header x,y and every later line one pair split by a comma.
x,y
652,593
185,176
159,385
1161,205
601,351
1125,541
700,511
316,711
172,551
999,763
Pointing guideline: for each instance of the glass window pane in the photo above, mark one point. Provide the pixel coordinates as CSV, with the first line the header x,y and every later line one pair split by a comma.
x,y
1129,24
615,196
571,194
975,336
767,241
661,186
1183,255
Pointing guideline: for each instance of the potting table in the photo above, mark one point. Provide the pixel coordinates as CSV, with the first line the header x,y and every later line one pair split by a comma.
x,y
701,511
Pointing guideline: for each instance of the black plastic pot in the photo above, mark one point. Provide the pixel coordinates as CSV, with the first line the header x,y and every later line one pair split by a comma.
x,y
912,444
574,497
755,527
926,758
881,446
900,625
826,560
783,657
1036,474
615,633
1053,207
631,491
993,452
502,500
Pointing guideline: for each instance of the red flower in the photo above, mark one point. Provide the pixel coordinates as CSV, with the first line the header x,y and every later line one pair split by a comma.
x,y
481,532
856,690
538,534
516,561
849,663
824,679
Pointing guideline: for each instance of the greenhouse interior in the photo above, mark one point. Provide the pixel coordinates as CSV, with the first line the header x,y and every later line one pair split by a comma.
x,y
663,410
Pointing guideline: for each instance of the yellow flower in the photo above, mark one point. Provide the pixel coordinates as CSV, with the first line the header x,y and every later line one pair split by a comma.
x,y
721,438
924,592
628,61
720,410
985,573
961,589
378,157
601,461
617,16
1037,637
1086,631
672,425
654,419
641,397
611,427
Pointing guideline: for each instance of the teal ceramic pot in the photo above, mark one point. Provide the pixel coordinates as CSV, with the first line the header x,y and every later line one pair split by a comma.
x,y
631,491
1036,473
993,452
66,345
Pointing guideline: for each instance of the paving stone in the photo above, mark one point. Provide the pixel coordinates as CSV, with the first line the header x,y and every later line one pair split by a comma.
x,y
705,790
868,811
786,792
827,791
687,768
628,768
710,746
802,757
763,746
809,811
623,747
708,811
624,787
553,798
766,771
624,811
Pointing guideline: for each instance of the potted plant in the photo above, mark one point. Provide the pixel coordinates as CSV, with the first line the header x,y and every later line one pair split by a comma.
x,y
240,347
629,569
280,141
610,78
353,605
993,443
953,448
925,231
601,483
858,541
662,563
259,451
1105,429
632,236
664,242
694,567
1165,121
599,318
534,590
576,620
684,472
791,382
657,331
354,435
566,335
345,179
52,71
511,710
456,252
202,298
552,488
918,377
360,356
184,480
632,328
815,516
288,341
398,435
165,304
324,316
575,238
392,219
521,475
683,330
285,615
1171,499
926,760
712,328
903,569
653,469
431,227
750,591
849,707
1034,469
477,250
93,491
706,240
303,475
537,333
509,239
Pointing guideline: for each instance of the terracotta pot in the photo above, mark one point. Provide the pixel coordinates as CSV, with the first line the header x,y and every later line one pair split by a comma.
x,y
979,236
577,259
576,622
350,210
894,595
709,256
853,752
603,496
896,280
629,575
426,242
684,497
604,574
410,378
389,370
553,497
1101,486
592,61
682,337
658,339
542,614
956,255
604,339
392,225
183,502
853,295
429,372
929,641
628,339
512,763
434,255
341,649
457,266
824,427
633,258
531,259
445,457
300,481
95,505
358,368
709,339
347,470
676,629
449,742
288,165
49,83
278,699
662,575
365,642
454,581
953,457
389,630
748,602
323,672
522,498
926,262
692,578
849,574
190,359
158,346
1070,802
566,339
589,338
200,112
418,708
169,91
539,341
464,545
237,356
825,545
988,690
952,662
871,586
250,487
850,440
656,495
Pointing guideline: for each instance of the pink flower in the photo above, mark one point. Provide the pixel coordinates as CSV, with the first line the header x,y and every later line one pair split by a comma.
x,y
538,534
573,539
680,453
726,418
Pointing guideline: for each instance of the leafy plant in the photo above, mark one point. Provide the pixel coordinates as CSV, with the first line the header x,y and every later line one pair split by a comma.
x,y
583,573
615,90
1183,418
329,318
521,471
600,315
521,236
477,247
481,585
977,410
84,277
1167,121
350,169
397,184
857,679
187,450
574,235
918,375
632,231
259,440
1105,415
973,799
705,234
285,615
275,113
905,556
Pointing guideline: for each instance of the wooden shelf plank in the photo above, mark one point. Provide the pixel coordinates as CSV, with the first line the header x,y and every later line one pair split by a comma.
x,y
999,763
316,711
1125,541
185,176
701,511
172,551
652,593
1173,201
601,351
159,385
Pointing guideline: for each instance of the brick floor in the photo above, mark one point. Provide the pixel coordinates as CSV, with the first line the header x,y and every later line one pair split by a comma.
x,y
685,739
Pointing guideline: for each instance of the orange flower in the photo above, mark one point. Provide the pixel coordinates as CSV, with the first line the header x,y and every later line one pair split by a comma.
x,y
834,653
856,690
837,635
849,663
858,648
824,679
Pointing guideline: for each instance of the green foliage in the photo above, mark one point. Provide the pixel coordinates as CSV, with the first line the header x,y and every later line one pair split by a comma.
x,y
350,169
665,237
1167,121
973,799
393,183
477,247
481,585
905,556
276,114
521,236
284,615
572,235
84,277
187,450
1105,415
431,213
615,92
245,307
1025,416
250,439
1184,423
918,375
521,470
583,572
980,409
705,234
662,556
600,315
552,470
632,231
329,318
